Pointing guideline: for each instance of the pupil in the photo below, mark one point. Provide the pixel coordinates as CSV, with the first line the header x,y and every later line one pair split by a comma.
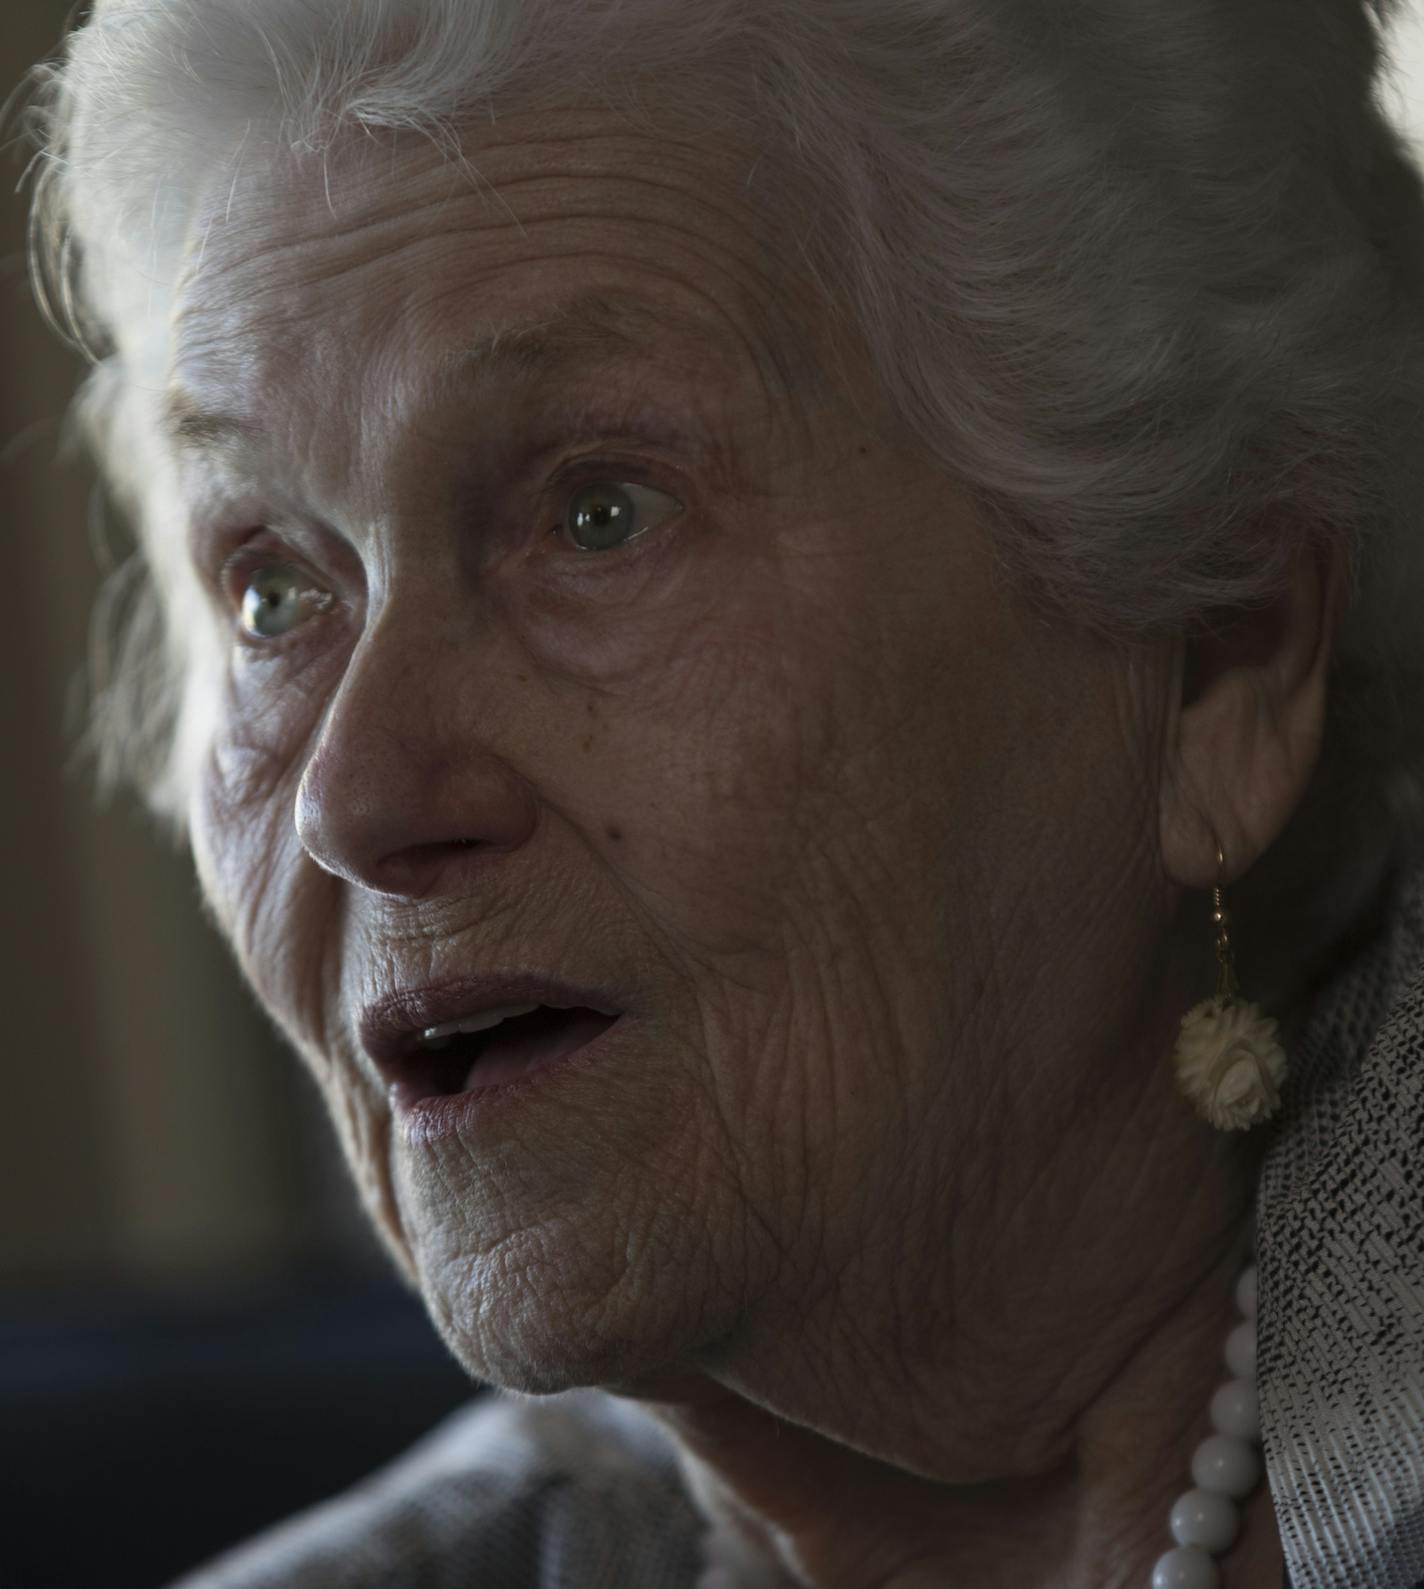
x,y
601,514
273,602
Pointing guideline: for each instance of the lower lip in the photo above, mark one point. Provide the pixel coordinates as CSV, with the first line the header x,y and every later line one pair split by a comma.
x,y
441,1116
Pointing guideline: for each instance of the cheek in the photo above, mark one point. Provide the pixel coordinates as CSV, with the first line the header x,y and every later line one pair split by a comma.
x,y
628,635
282,915
721,762
264,892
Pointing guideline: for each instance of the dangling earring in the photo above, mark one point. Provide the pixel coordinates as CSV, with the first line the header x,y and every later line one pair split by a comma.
x,y
1228,1062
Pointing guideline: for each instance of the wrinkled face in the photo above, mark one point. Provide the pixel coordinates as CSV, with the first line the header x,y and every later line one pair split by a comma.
x,y
571,621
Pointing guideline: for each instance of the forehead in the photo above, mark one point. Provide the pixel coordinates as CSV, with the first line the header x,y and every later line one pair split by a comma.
x,y
550,242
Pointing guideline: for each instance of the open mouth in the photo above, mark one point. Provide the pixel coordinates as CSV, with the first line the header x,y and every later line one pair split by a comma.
x,y
447,1060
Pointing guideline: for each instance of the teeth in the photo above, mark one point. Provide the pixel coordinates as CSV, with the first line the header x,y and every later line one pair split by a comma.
x,y
439,1036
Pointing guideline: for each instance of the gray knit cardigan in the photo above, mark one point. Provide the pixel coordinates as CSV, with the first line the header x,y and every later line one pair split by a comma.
x,y
581,1491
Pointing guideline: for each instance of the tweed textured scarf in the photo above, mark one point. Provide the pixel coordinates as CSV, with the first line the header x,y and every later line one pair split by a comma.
x,y
1340,1247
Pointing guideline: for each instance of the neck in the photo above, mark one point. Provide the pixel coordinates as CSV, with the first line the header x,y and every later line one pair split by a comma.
x,y
1078,1507
821,1514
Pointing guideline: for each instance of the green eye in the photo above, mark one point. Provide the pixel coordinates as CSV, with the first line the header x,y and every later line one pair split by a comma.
x,y
606,513
277,599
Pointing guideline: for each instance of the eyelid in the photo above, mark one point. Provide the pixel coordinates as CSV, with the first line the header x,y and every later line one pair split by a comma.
x,y
605,466
604,456
609,472
256,551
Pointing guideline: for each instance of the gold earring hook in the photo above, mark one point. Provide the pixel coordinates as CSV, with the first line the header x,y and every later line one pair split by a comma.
x,y
1226,984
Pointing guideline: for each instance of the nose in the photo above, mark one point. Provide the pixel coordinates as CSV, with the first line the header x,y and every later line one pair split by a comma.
x,y
401,795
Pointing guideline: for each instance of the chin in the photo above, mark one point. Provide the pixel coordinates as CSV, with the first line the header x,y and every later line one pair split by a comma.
x,y
514,1333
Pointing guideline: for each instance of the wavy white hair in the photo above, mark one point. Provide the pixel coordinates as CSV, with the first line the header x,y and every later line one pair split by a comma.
x,y
1146,275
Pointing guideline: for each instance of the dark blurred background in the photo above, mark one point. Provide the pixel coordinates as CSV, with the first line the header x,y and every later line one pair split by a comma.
x,y
197,1335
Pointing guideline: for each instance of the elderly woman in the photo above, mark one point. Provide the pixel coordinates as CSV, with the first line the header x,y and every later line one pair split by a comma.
x,y
790,653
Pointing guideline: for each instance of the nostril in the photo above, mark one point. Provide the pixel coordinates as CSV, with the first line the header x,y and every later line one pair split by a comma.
x,y
414,870
389,807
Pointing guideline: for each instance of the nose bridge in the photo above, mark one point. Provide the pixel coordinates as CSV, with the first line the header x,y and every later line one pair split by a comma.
x,y
392,682
405,662
401,780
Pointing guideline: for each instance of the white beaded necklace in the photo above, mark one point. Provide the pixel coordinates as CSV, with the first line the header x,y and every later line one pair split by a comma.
x,y
1226,1466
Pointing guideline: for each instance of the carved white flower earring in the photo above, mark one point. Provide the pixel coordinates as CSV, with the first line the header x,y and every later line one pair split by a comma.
x,y
1228,1062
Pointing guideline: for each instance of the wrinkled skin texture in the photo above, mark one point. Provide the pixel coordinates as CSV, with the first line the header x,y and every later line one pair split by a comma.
x,y
875,856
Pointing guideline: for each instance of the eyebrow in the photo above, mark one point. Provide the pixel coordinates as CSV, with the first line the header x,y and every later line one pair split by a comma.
x,y
614,324
595,324
192,429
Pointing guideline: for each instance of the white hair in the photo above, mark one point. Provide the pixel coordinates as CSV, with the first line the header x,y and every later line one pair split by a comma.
x,y
1147,275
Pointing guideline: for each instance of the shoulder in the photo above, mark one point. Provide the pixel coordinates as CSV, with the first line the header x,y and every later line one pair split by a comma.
x,y
509,1491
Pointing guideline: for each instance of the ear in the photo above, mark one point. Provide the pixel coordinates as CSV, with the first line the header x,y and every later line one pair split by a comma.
x,y
1246,723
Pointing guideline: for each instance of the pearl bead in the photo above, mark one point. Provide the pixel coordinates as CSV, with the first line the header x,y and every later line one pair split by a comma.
x,y
1236,1411
1226,1465
1205,1518
1241,1350
1246,1292
1185,1568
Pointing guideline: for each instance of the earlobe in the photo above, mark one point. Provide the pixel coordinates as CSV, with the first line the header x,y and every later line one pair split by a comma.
x,y
1245,730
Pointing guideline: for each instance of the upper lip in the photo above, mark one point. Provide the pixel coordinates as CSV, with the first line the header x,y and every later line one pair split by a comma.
x,y
390,1027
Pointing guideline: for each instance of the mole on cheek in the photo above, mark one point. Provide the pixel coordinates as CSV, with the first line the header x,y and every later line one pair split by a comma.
x,y
614,833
